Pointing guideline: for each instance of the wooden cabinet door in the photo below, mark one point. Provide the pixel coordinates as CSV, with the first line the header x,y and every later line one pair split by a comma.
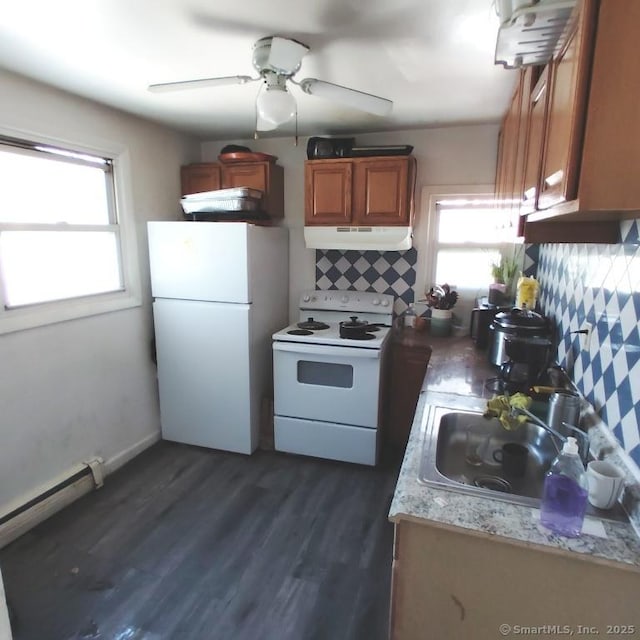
x,y
533,148
381,192
196,178
568,85
408,369
611,154
528,79
328,189
500,188
246,174
508,151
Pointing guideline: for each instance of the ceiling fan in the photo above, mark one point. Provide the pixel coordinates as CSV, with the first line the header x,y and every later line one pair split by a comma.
x,y
277,60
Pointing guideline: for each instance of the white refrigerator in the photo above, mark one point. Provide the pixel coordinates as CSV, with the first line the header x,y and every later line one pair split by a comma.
x,y
220,291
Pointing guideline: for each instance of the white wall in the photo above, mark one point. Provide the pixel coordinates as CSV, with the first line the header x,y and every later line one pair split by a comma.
x,y
5,627
87,387
445,156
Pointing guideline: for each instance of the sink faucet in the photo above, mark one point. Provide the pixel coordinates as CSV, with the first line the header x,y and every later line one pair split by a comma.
x,y
581,436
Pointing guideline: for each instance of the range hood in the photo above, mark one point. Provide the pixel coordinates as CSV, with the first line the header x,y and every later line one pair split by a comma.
x,y
359,238
532,31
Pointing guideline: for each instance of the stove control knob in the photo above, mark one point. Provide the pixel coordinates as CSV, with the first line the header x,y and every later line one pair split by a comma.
x,y
306,298
385,303
344,299
375,302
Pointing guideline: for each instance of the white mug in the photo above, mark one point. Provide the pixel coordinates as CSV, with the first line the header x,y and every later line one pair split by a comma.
x,y
605,483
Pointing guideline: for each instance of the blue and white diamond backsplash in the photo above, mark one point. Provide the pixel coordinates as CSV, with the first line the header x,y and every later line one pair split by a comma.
x,y
599,285
392,272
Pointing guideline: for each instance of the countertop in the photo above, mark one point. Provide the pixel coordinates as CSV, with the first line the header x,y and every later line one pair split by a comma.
x,y
456,378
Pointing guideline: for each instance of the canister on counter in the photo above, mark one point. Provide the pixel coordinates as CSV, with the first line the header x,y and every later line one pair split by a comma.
x,y
527,292
564,406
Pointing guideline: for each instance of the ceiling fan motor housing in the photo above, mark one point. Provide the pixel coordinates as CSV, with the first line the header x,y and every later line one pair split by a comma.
x,y
264,62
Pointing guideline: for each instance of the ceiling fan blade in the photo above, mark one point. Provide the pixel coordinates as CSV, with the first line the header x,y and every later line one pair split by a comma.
x,y
357,99
285,54
199,84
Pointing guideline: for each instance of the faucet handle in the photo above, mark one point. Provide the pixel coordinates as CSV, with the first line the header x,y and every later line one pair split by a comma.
x,y
604,452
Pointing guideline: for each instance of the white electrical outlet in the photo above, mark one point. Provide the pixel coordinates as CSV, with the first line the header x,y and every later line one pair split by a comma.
x,y
585,338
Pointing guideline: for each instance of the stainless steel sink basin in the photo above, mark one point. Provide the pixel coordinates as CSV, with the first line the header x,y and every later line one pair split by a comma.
x,y
445,461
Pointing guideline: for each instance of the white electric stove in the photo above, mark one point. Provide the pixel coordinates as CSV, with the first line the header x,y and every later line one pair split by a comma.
x,y
328,389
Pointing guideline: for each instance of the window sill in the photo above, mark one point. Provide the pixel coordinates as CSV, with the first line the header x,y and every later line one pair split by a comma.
x,y
39,315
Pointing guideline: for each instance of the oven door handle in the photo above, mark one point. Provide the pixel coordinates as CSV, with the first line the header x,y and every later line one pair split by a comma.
x,y
326,350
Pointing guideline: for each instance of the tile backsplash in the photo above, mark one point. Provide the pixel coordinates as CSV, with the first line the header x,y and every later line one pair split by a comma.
x,y
598,284
579,283
392,272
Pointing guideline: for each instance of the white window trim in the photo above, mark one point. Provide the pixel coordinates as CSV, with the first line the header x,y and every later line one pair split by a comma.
x,y
424,236
41,314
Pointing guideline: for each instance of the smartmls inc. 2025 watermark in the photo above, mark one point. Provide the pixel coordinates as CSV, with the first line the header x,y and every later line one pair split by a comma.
x,y
567,630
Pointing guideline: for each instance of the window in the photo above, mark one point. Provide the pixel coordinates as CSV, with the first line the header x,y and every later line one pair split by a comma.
x,y
459,233
470,234
61,244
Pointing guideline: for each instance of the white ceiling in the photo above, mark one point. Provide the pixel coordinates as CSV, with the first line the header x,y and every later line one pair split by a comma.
x,y
433,58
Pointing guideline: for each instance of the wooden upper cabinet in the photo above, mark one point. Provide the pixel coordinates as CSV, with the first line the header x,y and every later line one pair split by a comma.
x,y
591,157
568,91
249,174
534,140
510,148
528,79
327,189
204,176
510,166
381,194
610,168
265,176
268,177
360,191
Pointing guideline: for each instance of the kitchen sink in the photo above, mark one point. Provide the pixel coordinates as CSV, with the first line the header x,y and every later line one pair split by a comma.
x,y
458,455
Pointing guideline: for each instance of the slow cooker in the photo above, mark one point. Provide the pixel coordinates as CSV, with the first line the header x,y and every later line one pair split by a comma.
x,y
521,323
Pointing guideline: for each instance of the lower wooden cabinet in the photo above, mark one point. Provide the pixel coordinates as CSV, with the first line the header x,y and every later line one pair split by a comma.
x,y
452,584
410,353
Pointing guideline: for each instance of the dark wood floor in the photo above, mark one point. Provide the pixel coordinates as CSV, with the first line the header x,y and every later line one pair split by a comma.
x,y
188,543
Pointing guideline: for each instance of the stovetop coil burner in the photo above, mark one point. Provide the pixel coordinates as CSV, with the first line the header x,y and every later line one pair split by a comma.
x,y
310,323
300,332
363,336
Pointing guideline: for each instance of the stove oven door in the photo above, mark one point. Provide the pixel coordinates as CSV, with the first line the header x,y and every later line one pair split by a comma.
x,y
326,383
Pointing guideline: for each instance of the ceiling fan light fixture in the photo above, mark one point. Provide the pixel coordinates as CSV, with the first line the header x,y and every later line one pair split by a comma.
x,y
276,105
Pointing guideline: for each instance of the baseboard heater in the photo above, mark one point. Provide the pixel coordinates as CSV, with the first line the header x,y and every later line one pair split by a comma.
x,y
77,482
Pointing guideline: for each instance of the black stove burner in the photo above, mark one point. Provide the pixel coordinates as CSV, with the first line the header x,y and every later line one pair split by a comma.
x,y
310,323
300,332
373,327
362,336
